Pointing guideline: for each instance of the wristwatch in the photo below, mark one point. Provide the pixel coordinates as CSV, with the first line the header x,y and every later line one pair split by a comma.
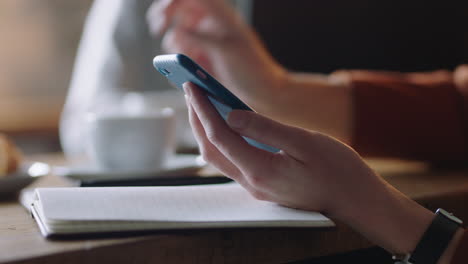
x,y
434,241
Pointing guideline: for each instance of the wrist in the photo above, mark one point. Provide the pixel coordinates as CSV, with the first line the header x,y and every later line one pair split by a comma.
x,y
389,219
414,220
327,101
262,92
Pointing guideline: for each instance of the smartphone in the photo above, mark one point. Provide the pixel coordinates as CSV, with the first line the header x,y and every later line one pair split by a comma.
x,y
179,69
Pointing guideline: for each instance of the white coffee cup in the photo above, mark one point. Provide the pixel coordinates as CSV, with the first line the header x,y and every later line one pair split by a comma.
x,y
139,102
131,142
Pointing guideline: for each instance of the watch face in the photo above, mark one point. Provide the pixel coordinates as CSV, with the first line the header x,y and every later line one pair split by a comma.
x,y
449,216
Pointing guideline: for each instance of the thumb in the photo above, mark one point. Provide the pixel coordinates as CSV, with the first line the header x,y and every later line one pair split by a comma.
x,y
287,138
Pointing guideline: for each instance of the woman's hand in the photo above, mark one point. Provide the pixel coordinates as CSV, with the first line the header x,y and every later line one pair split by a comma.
x,y
311,172
214,35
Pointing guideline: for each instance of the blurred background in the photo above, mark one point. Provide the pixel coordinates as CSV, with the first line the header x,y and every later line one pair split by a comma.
x,y
322,36
39,40
37,49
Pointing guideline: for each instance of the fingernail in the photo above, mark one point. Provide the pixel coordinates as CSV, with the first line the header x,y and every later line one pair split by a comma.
x,y
187,100
187,91
236,121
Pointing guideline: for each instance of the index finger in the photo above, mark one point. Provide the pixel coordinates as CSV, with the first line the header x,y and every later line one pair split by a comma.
x,y
246,157
162,13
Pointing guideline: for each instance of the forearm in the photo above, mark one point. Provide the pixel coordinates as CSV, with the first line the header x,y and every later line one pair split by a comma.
x,y
311,101
390,219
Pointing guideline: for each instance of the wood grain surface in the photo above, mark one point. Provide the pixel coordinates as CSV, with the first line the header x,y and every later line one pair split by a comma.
x,y
21,242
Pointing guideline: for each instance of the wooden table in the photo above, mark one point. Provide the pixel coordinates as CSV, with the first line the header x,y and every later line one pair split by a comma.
x,y
21,242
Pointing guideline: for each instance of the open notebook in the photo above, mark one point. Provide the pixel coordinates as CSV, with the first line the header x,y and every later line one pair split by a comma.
x,y
71,211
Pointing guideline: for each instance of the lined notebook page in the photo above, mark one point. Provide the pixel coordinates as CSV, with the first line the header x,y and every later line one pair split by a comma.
x,y
211,203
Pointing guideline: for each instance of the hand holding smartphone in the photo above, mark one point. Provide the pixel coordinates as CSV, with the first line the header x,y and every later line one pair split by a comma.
x,y
179,69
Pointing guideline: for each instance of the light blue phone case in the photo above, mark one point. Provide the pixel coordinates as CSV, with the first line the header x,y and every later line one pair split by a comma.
x,y
180,69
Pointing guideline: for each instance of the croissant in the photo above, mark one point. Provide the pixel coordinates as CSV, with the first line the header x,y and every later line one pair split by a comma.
x,y
10,156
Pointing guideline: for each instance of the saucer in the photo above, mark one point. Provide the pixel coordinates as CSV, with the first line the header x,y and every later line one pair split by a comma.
x,y
178,165
25,175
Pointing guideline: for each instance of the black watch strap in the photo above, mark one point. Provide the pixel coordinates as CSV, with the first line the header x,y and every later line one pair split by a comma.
x,y
436,238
